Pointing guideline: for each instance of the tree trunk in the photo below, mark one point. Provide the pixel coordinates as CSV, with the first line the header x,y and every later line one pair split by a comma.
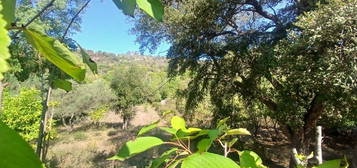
x,y
47,138
318,147
45,99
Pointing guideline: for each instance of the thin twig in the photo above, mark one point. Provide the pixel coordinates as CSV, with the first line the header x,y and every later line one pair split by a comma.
x,y
74,17
36,16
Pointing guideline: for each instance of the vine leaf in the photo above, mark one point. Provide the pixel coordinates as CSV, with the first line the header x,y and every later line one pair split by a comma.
x,y
16,152
250,159
136,146
56,53
4,43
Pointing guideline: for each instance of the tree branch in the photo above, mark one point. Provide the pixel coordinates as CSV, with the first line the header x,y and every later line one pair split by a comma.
x,y
73,19
36,16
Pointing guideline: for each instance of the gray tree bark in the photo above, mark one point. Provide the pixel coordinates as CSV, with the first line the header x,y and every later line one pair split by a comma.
x,y
41,134
318,148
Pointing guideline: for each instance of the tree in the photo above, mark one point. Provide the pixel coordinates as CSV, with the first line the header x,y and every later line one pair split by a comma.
x,y
130,87
236,49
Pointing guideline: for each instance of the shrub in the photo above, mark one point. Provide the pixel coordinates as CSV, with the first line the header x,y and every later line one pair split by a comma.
x,y
22,112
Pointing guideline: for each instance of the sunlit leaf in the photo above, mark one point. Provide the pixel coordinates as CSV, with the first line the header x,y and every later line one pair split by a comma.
x,y
14,151
127,6
238,131
4,43
8,11
136,146
56,53
62,84
208,160
163,158
178,123
148,128
154,8
232,142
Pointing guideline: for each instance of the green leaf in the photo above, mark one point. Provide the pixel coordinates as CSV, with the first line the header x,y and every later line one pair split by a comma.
x,y
62,84
9,11
136,146
4,43
204,144
249,159
154,8
178,123
127,6
163,158
169,130
15,152
87,60
148,128
232,142
56,53
222,122
208,160
239,131
330,164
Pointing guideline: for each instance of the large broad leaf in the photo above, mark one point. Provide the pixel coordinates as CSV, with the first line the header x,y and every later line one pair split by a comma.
x,y
178,123
87,60
62,84
137,146
208,160
8,11
148,128
169,130
154,8
56,53
14,151
163,158
249,159
4,43
127,6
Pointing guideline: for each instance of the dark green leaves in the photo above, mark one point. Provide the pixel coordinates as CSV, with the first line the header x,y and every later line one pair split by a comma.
x,y
163,158
56,53
153,8
127,6
8,11
62,84
15,152
208,160
137,146
4,43
87,60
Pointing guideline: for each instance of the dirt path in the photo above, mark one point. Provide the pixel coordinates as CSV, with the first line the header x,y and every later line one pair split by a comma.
x,y
88,146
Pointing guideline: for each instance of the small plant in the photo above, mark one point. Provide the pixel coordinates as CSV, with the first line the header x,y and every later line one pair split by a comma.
x,y
186,156
98,114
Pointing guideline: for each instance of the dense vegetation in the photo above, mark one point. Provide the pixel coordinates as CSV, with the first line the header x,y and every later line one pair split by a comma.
x,y
238,75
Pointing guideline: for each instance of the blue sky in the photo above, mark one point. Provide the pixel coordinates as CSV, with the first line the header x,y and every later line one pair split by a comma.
x,y
106,28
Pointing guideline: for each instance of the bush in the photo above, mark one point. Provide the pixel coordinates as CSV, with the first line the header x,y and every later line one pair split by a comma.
x,y
22,112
